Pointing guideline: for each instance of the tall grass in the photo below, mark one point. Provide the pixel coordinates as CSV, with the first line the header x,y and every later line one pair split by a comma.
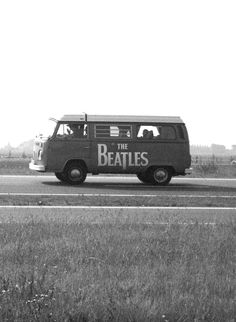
x,y
73,271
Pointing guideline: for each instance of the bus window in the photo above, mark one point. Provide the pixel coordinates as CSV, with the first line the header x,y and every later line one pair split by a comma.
x,y
102,131
167,133
72,130
180,132
162,132
112,131
125,131
63,130
148,132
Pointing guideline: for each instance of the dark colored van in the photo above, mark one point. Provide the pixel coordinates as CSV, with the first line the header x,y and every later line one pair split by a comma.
x,y
155,148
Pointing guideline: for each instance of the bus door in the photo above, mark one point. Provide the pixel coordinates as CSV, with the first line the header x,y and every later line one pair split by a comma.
x,y
69,143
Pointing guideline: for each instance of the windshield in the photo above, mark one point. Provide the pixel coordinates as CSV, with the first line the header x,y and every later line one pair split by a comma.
x,y
47,128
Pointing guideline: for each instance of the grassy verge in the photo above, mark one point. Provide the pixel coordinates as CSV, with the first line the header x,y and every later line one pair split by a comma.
x,y
67,269
14,166
214,171
138,200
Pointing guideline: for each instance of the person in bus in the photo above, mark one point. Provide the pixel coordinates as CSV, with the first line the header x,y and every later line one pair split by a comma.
x,y
77,130
145,134
150,134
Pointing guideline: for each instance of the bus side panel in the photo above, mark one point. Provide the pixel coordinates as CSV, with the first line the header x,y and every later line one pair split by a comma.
x,y
136,156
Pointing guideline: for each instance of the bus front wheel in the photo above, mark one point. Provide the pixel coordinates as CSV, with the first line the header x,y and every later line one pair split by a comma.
x,y
75,173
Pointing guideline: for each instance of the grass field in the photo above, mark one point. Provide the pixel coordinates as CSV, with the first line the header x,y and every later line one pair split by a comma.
x,y
71,267
145,267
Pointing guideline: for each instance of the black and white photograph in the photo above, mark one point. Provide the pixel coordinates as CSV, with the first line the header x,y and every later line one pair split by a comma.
x,y
118,161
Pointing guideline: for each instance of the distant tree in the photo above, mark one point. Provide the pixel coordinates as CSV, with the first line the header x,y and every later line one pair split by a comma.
x,y
24,156
9,154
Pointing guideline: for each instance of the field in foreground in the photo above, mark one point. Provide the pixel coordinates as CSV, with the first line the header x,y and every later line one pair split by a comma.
x,y
66,268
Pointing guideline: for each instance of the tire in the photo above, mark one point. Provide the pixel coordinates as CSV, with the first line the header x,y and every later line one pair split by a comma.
x,y
75,173
143,177
60,176
160,176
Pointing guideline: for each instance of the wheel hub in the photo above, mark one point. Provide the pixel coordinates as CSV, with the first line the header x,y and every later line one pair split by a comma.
x,y
75,174
160,175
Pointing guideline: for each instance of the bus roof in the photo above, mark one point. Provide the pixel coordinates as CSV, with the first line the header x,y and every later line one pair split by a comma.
x,y
120,118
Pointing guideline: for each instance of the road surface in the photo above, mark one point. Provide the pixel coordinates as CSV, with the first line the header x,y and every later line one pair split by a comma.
x,y
118,192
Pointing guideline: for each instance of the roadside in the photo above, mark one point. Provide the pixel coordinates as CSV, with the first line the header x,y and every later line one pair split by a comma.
x,y
117,201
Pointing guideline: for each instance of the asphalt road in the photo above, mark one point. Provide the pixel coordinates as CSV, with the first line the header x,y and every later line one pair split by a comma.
x,y
115,184
117,199
117,191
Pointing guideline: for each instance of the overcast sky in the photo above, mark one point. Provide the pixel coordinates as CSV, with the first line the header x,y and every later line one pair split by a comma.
x,y
118,57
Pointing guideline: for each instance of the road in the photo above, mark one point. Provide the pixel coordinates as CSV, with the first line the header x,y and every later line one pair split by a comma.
x,y
116,184
117,191
117,199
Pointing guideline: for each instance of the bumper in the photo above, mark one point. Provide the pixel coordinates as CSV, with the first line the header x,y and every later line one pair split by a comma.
x,y
36,167
188,171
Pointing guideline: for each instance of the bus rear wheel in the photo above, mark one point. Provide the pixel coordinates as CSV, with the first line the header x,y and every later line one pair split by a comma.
x,y
160,176
75,173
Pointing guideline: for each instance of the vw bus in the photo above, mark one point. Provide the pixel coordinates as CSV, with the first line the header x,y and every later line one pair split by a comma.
x,y
155,148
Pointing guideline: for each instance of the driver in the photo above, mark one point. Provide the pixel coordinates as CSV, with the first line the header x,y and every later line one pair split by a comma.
x,y
77,130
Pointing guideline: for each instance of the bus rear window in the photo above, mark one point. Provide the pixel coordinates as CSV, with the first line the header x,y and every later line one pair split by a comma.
x,y
180,132
167,133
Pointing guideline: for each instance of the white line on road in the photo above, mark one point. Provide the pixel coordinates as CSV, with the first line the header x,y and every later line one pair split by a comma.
x,y
117,177
111,195
25,176
118,207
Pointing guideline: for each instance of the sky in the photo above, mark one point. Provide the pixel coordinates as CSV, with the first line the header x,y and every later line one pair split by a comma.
x,y
168,57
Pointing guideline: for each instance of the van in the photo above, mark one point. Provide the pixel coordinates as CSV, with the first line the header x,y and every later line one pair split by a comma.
x,y
155,148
